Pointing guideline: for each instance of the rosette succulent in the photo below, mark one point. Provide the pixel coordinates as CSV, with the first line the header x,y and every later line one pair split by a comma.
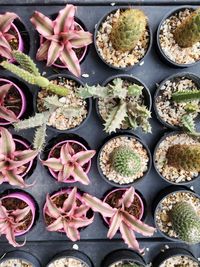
x,y
120,219
60,38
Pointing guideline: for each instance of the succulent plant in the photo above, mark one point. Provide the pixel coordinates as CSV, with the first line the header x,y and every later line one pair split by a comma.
x,y
28,71
131,112
186,95
70,164
12,161
6,36
125,161
60,38
128,29
69,217
120,219
185,157
186,222
188,32
10,221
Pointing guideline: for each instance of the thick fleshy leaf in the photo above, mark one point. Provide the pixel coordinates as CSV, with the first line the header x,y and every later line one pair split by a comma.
x,y
53,163
65,153
71,232
20,214
42,24
81,211
42,52
79,175
14,179
129,237
65,173
4,52
3,91
2,165
54,51
137,225
65,19
83,157
127,198
70,60
9,36
21,158
53,211
5,21
99,206
56,225
79,222
80,39
7,144
3,212
4,43
70,203
11,238
7,114
114,224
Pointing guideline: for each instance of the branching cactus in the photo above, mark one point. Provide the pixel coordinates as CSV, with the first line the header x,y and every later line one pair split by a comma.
x,y
186,222
131,112
125,161
120,219
185,157
128,29
12,161
188,32
69,217
70,164
28,71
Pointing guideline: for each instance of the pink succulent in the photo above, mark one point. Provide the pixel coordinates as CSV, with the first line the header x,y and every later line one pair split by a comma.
x,y
70,164
120,219
12,161
70,216
60,37
6,21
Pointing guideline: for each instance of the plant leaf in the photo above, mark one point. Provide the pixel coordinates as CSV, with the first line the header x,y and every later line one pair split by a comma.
x,y
70,203
3,91
65,173
72,233
21,158
39,138
79,175
7,114
135,90
14,179
20,214
6,53
80,222
5,21
3,211
42,52
53,163
52,209
65,154
39,119
96,91
11,238
56,225
54,52
115,222
127,198
42,24
83,157
79,39
81,211
7,144
188,123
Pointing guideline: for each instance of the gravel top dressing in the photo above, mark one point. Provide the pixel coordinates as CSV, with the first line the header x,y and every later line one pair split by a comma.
x,y
67,262
15,263
179,261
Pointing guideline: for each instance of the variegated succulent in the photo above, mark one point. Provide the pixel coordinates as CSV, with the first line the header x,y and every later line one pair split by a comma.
x,y
60,37
68,218
127,107
70,164
12,161
120,219
6,36
10,221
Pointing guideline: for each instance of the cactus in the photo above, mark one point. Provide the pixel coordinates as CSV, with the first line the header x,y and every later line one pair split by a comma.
x,y
186,157
185,222
128,30
188,32
125,161
186,95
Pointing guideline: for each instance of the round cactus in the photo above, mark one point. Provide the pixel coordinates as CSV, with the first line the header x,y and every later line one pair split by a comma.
x,y
128,29
186,222
125,161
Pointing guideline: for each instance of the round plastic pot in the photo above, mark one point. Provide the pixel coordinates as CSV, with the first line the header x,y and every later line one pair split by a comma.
x,y
123,255
173,78
29,201
53,173
75,254
137,180
160,197
155,165
100,56
23,99
22,255
161,52
173,252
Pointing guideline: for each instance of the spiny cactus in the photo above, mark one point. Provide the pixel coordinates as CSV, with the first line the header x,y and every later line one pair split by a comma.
x,y
185,157
186,95
128,29
188,32
28,71
125,161
186,222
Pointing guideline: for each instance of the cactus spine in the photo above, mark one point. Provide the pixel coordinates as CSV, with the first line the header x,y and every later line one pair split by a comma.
x,y
185,157
125,161
128,30
186,222
188,33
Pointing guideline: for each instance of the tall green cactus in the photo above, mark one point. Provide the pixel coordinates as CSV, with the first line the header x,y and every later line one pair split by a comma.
x,y
186,95
128,30
185,157
185,222
188,32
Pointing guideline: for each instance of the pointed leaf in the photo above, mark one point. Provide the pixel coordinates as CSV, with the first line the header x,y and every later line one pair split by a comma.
x,y
80,39
14,179
54,52
56,225
79,175
3,91
42,24
20,214
6,53
3,211
115,222
51,208
7,144
72,233
65,153
65,173
53,163
83,157
11,238
42,52
127,198
21,158
81,211
79,222
7,115
70,202
4,43
5,21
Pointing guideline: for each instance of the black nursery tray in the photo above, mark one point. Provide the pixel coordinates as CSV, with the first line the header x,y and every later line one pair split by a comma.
x,y
44,244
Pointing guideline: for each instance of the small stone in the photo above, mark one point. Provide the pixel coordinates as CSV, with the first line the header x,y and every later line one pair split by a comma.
x,y
75,246
85,75
112,4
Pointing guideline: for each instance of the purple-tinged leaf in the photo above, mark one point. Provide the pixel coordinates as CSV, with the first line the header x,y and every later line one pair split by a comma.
x,y
21,158
56,225
65,173
79,39
42,24
7,144
14,179
79,175
9,36
7,114
81,211
42,52
11,238
4,43
127,198
3,91
53,163
115,222
3,211
65,153
20,214
2,165
83,157
54,51
53,211
6,53
72,233
6,20
70,203
80,222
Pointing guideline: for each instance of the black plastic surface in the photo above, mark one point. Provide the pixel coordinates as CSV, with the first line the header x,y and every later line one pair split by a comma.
x,y
44,244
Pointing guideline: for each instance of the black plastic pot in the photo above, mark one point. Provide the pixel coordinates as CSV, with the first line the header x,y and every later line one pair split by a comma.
x,y
75,254
98,25
89,103
22,255
129,135
146,92
173,252
155,165
161,52
172,78
123,255
160,197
